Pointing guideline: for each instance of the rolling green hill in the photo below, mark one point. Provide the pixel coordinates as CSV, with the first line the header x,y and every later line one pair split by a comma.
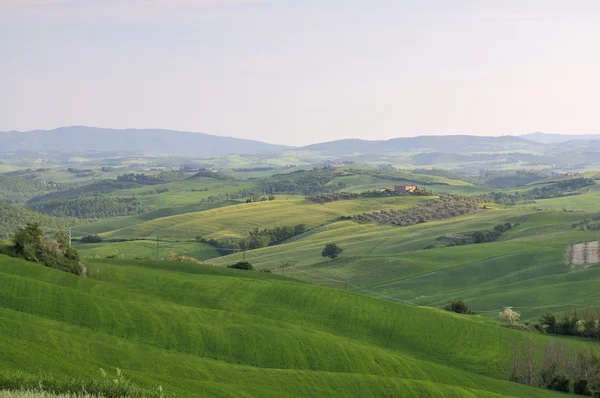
x,y
237,220
146,249
525,268
13,217
206,331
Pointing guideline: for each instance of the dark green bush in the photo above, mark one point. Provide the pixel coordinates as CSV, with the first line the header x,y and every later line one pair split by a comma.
x,y
242,265
560,383
580,387
91,239
30,244
460,307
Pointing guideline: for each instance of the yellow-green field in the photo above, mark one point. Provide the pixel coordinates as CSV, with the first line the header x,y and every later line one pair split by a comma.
x,y
237,220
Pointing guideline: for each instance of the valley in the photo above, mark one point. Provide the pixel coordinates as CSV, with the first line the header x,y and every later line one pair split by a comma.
x,y
159,301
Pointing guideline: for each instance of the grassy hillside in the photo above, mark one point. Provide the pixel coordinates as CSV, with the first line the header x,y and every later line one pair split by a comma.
x,y
590,202
13,217
524,269
237,220
208,331
147,249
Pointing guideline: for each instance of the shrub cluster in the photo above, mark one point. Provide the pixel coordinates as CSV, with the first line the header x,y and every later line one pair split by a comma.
x,y
243,265
154,191
151,179
460,307
244,193
479,236
30,243
558,368
556,190
333,197
91,239
445,207
259,198
256,238
572,324
590,223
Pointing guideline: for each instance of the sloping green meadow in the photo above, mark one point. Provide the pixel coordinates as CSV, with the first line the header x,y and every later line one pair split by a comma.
x,y
237,220
525,268
207,331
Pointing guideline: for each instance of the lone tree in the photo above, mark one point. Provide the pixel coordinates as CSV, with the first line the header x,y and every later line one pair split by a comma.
x,y
332,251
509,316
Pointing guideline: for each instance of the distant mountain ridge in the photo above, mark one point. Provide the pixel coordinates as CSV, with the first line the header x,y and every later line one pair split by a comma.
x,y
81,139
440,143
545,138
76,139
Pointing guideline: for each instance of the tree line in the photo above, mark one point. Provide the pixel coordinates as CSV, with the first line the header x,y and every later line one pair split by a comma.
x,y
558,368
16,189
509,179
555,190
103,187
154,191
585,324
96,207
590,223
222,197
335,196
302,182
13,217
476,237
256,238
446,206
163,177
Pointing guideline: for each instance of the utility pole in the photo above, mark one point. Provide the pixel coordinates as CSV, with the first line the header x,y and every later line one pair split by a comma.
x,y
69,236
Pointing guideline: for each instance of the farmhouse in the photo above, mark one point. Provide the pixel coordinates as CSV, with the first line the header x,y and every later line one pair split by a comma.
x,y
405,188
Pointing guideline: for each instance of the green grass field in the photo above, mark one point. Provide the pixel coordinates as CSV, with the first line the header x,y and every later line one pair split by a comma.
x,y
181,192
147,249
110,224
368,323
524,269
237,220
206,331
33,394
590,202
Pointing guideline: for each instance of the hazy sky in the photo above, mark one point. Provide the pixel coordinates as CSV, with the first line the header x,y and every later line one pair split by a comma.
x,y
301,71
